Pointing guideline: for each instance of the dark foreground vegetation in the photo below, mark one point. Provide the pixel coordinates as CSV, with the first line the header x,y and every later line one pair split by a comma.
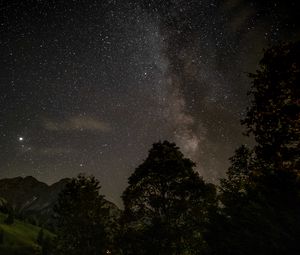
x,y
169,209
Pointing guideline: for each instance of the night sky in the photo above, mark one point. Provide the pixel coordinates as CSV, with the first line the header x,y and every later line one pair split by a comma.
x,y
89,86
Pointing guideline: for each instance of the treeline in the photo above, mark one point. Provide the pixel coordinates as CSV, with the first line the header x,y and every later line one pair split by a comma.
x,y
169,209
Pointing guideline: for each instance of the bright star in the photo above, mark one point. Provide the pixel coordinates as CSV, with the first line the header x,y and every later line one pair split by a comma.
x,y
21,139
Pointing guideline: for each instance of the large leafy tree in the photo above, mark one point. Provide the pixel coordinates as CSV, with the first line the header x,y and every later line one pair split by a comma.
x,y
167,205
261,195
274,115
81,218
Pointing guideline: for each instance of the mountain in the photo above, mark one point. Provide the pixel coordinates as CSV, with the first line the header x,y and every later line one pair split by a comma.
x,y
34,200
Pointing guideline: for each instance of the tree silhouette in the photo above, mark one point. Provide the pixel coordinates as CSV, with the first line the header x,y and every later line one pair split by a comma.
x,y
273,117
235,187
1,236
261,198
4,206
47,246
166,205
40,237
81,218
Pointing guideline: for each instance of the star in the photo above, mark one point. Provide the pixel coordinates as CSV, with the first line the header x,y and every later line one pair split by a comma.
x,y
82,95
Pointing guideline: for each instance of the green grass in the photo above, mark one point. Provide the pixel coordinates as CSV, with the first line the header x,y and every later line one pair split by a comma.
x,y
20,237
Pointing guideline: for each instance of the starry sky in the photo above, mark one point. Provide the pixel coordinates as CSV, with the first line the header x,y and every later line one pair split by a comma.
x,y
89,86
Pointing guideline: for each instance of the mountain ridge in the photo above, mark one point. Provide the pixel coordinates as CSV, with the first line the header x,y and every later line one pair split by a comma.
x,y
34,200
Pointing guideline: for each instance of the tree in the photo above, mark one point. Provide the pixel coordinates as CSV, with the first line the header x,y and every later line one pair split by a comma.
x,y
274,115
1,236
234,188
81,218
274,120
45,242
40,237
4,206
47,246
166,205
261,195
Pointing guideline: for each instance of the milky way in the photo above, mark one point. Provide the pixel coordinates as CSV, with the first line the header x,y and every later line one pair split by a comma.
x,y
89,86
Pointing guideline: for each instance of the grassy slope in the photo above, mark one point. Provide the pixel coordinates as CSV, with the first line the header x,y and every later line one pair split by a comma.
x,y
20,237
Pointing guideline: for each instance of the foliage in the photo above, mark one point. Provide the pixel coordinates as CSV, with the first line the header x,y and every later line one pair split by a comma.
x,y
81,218
40,237
273,117
47,246
4,207
261,195
166,204
1,236
234,187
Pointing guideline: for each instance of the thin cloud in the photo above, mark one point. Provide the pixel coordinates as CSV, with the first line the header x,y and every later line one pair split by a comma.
x,y
55,151
78,123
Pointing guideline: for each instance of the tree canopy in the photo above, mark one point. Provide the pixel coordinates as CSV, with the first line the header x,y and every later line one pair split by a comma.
x,y
81,218
273,117
261,194
166,204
